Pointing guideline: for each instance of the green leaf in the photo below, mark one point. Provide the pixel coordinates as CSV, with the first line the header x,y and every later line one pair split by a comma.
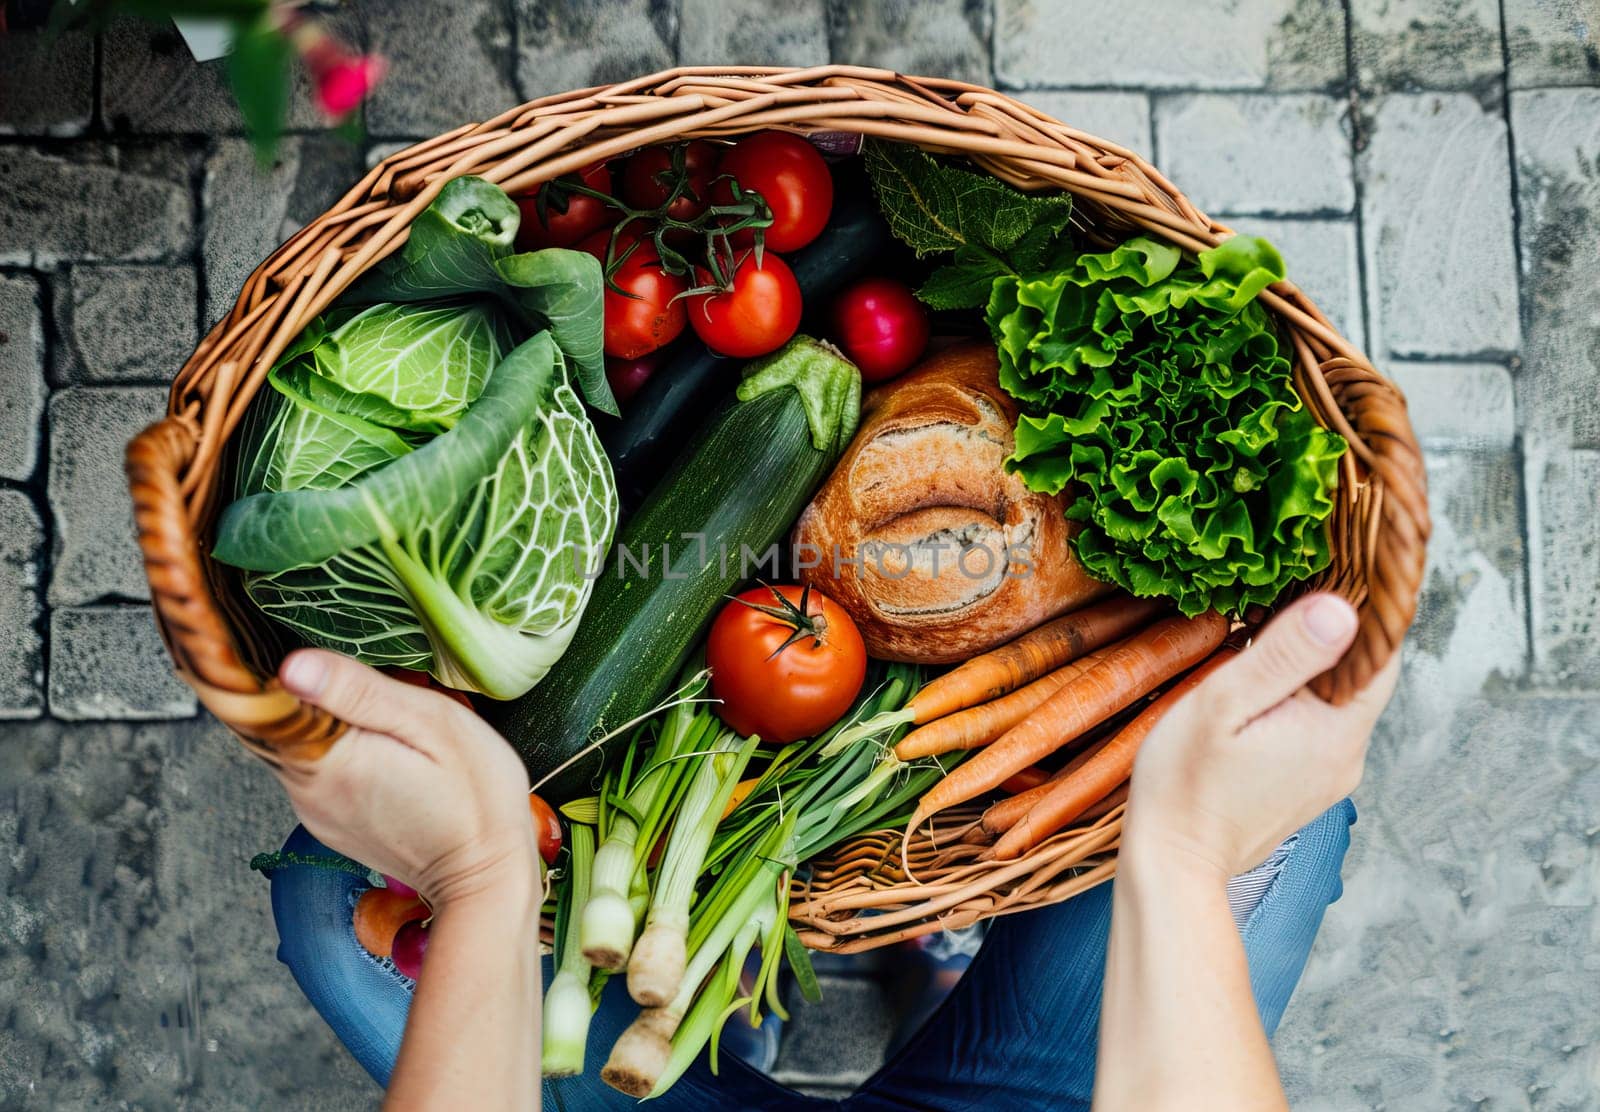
x,y
461,244
463,552
274,531
258,71
964,283
936,207
1158,391
564,289
805,976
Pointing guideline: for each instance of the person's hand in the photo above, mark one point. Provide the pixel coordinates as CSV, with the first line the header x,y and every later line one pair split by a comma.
x,y
1250,756
419,787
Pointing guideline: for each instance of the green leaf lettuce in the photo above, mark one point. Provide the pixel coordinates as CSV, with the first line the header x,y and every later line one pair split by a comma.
x,y
1156,390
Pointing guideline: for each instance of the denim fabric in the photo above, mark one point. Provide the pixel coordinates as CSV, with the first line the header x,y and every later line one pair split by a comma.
x,y
1017,1033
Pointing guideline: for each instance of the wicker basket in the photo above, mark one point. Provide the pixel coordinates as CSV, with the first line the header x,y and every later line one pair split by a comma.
x,y
1378,529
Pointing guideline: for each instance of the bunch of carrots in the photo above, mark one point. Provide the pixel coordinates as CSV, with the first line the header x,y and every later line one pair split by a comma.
x,y
1047,692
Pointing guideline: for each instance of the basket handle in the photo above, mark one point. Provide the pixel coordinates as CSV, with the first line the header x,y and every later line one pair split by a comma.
x,y
272,723
1386,547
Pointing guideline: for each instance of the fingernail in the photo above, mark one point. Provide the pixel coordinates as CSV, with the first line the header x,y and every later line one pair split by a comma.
x,y
1329,620
304,674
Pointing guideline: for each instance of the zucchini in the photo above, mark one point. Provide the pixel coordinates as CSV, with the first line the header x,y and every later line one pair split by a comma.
x,y
692,380
740,484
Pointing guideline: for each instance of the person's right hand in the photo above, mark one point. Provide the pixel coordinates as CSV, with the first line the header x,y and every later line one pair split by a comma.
x,y
419,787
1250,756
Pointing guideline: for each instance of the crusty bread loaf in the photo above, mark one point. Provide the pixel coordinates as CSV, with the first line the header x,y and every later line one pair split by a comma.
x,y
920,533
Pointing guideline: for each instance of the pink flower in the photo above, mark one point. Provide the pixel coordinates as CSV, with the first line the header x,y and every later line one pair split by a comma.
x,y
344,82
342,79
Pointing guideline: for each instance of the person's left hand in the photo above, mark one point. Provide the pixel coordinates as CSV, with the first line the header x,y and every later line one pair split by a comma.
x,y
419,787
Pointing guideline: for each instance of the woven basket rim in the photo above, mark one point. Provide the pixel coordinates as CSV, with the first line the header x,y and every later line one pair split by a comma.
x,y
1378,530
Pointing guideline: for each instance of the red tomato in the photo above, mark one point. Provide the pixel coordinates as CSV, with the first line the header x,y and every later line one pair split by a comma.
x,y
568,218
547,826
627,375
422,679
653,316
786,662
790,176
756,316
647,179
881,326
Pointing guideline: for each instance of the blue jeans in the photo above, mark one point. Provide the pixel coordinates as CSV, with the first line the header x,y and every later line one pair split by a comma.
x,y
1008,1036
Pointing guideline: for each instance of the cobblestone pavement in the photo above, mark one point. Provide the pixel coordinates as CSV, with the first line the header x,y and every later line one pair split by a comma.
x,y
1431,171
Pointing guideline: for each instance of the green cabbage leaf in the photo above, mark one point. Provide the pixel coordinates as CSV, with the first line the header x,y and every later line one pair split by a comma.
x,y
1157,392
461,245
414,491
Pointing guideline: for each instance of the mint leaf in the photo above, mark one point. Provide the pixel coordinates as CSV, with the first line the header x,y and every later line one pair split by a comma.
x,y
934,207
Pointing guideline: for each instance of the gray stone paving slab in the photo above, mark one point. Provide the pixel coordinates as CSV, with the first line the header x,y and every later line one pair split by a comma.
x,y
1564,532
251,210
21,550
22,386
152,84
1558,189
46,83
1247,153
1123,118
1319,256
1430,44
136,947
107,662
1553,42
1230,44
572,44
449,64
1437,228
1468,788
937,38
94,203
712,32
124,323
95,553
1458,405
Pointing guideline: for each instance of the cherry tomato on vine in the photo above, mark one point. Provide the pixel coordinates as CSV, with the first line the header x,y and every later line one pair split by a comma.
x,y
648,313
568,217
647,179
547,828
786,662
757,312
881,326
422,679
626,376
790,176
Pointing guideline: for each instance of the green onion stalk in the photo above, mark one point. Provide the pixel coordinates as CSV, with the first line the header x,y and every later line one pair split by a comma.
x,y
568,1003
642,802
812,796
657,965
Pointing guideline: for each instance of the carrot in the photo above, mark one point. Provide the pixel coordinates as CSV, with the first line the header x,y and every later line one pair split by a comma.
x,y
1110,803
379,914
1126,672
1004,814
1024,660
1030,656
979,725
1026,780
1072,796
